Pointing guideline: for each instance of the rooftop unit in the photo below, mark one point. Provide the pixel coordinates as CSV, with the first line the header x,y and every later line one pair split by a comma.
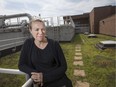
x,y
106,44
92,36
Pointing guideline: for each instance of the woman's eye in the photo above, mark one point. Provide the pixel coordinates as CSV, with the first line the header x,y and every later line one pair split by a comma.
x,y
43,29
36,29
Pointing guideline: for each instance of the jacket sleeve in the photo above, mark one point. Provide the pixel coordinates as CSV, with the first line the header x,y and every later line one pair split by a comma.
x,y
58,72
24,60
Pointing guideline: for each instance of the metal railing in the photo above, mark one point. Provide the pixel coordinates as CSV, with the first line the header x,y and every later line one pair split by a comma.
x,y
28,82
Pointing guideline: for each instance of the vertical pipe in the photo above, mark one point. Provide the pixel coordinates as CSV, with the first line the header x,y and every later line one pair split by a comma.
x,y
26,77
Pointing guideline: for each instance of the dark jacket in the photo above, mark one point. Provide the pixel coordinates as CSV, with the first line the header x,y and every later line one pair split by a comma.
x,y
54,78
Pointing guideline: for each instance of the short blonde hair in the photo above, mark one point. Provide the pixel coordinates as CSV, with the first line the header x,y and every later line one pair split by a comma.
x,y
35,20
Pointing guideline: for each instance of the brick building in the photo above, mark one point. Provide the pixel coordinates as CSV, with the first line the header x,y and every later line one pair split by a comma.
x,y
93,22
99,13
108,26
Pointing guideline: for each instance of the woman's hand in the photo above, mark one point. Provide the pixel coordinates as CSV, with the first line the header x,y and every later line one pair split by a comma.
x,y
37,77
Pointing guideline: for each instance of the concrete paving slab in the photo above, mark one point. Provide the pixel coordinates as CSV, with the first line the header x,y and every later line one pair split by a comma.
x,y
79,73
78,45
78,50
80,63
82,84
78,58
78,54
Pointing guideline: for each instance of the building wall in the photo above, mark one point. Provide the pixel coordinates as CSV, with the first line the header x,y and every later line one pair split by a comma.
x,y
81,23
108,26
82,20
91,18
98,14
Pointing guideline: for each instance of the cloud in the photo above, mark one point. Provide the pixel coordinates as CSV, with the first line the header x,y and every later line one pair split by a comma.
x,y
51,7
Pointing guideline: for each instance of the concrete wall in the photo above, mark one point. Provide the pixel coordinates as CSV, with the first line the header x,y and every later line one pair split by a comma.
x,y
108,26
12,39
61,33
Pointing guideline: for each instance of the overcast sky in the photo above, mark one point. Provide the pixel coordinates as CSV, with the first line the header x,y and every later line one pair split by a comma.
x,y
49,8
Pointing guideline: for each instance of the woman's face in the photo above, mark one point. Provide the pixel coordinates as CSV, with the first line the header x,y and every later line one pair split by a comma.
x,y
38,31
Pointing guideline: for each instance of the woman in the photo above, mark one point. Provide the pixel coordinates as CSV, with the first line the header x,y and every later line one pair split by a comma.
x,y
43,59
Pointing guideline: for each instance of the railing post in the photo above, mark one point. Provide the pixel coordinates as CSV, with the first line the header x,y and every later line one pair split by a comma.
x,y
26,77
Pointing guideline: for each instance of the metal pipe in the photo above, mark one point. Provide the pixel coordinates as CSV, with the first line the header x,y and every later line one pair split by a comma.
x,y
11,43
28,83
13,39
16,15
11,71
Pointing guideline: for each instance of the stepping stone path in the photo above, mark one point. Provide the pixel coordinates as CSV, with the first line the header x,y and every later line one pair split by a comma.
x,y
77,72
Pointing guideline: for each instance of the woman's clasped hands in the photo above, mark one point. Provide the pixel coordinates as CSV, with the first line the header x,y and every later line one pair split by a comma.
x,y
37,78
